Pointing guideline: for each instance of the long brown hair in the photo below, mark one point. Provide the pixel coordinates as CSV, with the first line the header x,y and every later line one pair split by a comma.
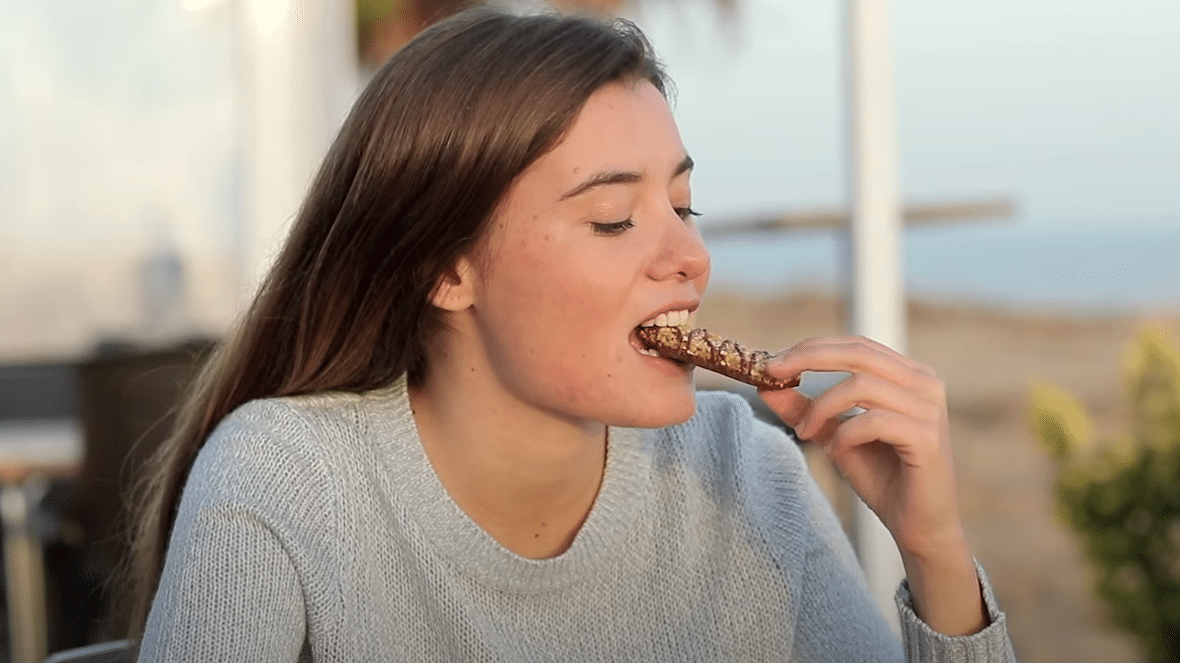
x,y
418,168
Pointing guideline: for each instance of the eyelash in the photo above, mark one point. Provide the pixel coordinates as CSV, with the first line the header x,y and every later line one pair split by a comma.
x,y
618,227
609,229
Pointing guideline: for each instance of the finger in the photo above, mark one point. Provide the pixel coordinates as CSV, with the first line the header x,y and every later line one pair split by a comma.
x,y
870,392
789,404
915,442
857,340
862,360
854,354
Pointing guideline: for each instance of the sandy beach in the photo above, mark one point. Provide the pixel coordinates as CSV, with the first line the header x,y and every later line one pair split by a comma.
x,y
989,358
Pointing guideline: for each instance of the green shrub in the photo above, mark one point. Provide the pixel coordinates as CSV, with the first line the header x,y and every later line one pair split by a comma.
x,y
1122,495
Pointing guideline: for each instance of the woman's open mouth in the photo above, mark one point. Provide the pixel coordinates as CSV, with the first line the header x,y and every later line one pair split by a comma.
x,y
678,318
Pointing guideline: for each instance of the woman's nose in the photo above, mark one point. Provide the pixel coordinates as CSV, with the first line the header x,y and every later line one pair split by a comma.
x,y
683,254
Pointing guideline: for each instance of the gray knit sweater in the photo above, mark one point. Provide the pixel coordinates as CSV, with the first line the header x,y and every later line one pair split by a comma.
x,y
315,528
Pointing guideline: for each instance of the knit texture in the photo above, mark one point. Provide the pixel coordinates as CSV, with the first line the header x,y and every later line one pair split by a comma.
x,y
314,528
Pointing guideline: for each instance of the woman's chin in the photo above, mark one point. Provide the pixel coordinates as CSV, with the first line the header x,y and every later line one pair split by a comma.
x,y
659,410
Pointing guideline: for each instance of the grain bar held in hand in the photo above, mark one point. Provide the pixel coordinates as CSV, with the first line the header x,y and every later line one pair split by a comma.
x,y
702,348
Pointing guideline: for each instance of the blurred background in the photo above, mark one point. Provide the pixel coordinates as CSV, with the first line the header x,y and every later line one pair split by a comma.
x,y
153,151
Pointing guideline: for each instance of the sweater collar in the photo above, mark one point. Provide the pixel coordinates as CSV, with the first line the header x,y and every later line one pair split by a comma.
x,y
613,518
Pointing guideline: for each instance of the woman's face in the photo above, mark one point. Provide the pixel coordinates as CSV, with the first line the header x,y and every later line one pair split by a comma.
x,y
592,240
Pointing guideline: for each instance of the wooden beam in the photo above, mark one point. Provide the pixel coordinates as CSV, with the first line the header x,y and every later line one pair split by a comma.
x,y
916,214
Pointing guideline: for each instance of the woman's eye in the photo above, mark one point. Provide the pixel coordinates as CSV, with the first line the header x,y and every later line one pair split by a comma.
x,y
686,212
612,228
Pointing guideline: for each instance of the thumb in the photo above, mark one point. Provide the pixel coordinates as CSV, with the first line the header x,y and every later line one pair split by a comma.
x,y
789,404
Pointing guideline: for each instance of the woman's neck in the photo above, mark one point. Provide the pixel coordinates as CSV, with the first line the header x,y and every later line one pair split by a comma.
x,y
527,477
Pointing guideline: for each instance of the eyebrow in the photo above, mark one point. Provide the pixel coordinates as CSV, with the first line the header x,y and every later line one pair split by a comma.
x,y
621,177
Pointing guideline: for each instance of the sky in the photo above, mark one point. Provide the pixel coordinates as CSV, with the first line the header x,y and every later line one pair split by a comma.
x,y
1070,107
119,115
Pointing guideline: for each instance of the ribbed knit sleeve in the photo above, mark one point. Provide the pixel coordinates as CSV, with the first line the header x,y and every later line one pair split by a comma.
x,y
924,644
231,589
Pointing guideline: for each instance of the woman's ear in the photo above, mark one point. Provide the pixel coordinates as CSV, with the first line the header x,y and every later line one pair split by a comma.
x,y
454,290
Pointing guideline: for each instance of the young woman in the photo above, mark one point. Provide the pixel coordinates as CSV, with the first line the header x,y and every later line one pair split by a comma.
x,y
434,436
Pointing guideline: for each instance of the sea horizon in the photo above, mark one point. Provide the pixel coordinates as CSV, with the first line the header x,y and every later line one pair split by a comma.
x,y
1086,268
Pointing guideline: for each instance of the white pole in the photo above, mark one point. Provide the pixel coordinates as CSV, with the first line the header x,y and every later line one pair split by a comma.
x,y
877,298
303,77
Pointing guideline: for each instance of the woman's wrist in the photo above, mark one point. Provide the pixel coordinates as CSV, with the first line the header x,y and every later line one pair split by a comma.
x,y
944,586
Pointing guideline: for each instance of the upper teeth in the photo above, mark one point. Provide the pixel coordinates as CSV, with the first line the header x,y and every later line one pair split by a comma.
x,y
669,319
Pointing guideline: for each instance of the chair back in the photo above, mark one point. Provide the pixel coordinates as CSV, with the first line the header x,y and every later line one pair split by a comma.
x,y
125,406
117,651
